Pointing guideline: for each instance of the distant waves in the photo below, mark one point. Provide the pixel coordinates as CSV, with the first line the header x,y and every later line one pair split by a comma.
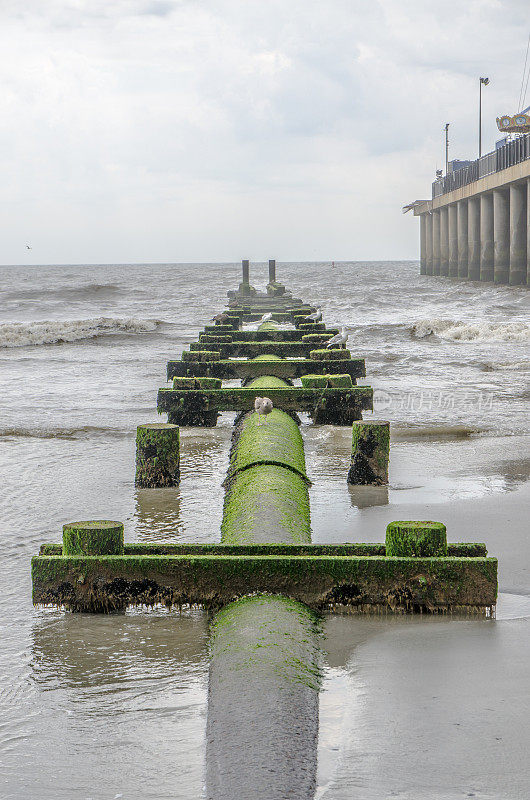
x,y
471,331
22,334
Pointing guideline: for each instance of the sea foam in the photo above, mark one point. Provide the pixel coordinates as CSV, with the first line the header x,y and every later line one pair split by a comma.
x,y
21,334
459,331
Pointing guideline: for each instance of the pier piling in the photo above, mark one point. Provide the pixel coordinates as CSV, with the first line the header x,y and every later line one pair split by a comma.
x,y
370,453
157,455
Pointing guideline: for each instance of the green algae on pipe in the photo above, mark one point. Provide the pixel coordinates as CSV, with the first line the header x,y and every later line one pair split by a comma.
x,y
278,441
157,455
264,666
370,453
266,503
97,537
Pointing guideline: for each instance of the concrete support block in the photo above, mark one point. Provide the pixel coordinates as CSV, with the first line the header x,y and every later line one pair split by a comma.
x,y
501,236
462,243
157,455
423,245
486,237
416,539
444,241
518,234
370,452
473,239
436,242
452,217
98,537
428,227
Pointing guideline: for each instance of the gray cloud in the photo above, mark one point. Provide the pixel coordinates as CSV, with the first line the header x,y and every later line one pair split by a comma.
x,y
158,130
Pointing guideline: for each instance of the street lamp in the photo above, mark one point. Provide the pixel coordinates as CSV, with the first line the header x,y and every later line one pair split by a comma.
x,y
482,81
446,147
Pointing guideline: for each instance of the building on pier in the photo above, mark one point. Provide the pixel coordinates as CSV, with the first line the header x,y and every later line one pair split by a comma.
x,y
477,224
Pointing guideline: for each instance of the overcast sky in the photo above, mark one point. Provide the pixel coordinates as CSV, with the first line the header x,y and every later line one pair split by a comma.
x,y
212,130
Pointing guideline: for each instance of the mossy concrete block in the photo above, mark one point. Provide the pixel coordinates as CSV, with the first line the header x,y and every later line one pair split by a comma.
x,y
104,583
317,338
416,539
97,537
455,550
327,381
265,364
246,289
197,383
275,289
312,327
157,455
218,330
211,339
201,355
330,355
370,453
342,406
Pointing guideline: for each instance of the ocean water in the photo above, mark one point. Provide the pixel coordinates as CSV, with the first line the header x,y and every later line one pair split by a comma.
x,y
116,707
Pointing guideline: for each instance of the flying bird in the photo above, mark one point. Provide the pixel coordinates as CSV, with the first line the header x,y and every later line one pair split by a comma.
x,y
262,407
316,316
28,247
266,317
340,338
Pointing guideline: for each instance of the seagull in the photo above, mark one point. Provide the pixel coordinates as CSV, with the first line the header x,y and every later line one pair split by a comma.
x,y
266,317
220,318
317,316
28,247
262,406
340,338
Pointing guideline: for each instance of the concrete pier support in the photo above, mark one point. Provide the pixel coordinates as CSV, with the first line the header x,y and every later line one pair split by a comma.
x,y
486,237
423,245
272,270
501,236
452,218
428,229
435,242
473,239
518,234
462,254
444,241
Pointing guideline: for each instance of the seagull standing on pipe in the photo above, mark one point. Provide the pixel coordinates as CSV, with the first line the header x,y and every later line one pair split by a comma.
x,y
341,338
316,316
266,317
262,407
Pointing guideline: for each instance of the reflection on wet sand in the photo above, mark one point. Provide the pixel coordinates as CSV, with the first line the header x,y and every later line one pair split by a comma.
x,y
367,496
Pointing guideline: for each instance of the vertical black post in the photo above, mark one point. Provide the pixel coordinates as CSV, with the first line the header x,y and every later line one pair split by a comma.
x,y
272,270
246,270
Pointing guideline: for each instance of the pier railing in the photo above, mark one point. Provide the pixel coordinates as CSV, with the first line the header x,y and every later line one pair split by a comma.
x,y
506,156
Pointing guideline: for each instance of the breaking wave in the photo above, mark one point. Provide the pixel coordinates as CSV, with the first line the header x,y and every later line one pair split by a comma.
x,y
471,331
21,334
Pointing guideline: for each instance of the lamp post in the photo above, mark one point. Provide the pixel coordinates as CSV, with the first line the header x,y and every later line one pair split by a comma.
x,y
484,81
446,148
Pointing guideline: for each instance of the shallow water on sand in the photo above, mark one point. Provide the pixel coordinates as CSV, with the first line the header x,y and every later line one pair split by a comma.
x,y
116,707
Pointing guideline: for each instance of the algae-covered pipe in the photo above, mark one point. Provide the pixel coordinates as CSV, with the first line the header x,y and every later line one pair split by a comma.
x,y
262,730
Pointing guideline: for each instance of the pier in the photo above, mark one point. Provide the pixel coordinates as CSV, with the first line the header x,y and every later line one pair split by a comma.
x,y
265,582
476,226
